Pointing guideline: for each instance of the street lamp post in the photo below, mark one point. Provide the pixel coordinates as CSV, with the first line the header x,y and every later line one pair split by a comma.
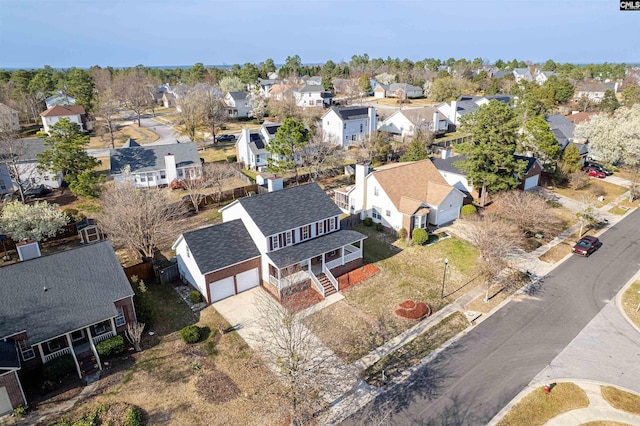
x,y
444,276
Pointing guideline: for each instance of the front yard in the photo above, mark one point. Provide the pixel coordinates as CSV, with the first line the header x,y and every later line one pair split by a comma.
x,y
596,188
366,317
218,380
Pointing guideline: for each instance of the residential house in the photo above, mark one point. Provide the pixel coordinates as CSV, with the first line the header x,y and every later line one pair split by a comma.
x,y
581,117
59,98
468,104
531,174
281,91
402,195
541,77
397,90
500,73
151,166
349,125
563,130
168,100
60,304
286,241
236,103
251,146
520,74
75,114
312,95
23,155
9,118
406,122
594,91
265,86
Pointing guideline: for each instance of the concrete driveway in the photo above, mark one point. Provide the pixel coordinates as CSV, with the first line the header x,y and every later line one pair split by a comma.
x,y
240,312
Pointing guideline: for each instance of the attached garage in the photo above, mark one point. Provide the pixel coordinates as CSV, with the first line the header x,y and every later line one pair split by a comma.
x,y
5,402
531,182
449,215
222,289
247,280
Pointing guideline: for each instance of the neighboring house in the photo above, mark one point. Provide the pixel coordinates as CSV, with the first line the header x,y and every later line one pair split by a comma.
x,y
265,86
9,118
281,91
406,122
520,74
59,98
532,171
500,73
150,166
541,77
594,91
75,114
563,130
237,104
60,304
402,195
25,158
397,90
251,146
581,117
168,100
468,104
286,241
312,95
349,125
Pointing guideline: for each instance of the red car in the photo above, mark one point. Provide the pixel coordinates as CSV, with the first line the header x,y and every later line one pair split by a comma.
x,y
586,245
593,172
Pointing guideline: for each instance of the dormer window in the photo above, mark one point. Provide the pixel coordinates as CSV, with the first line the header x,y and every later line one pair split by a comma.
x,y
305,232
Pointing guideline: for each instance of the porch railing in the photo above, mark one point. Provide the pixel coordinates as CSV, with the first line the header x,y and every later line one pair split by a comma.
x,y
334,263
317,284
332,279
353,253
103,336
57,354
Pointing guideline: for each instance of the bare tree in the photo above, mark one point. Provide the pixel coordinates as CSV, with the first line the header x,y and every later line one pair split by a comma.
x,y
528,211
134,334
190,113
107,108
578,180
298,356
321,156
588,215
213,110
12,148
137,218
132,88
495,240
214,174
257,104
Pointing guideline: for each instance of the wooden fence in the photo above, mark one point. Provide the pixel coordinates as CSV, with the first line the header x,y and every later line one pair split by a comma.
x,y
169,274
144,271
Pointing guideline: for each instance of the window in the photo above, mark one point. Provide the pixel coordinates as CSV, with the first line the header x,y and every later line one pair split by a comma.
x,y
143,178
26,350
257,158
77,335
420,221
2,184
332,224
320,228
360,127
375,191
388,213
345,126
54,345
289,238
375,213
163,175
181,173
45,177
120,320
151,178
99,329
306,232
274,242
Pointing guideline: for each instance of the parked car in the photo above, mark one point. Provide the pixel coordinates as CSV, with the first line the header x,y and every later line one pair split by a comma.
x,y
586,245
593,172
598,167
36,192
225,138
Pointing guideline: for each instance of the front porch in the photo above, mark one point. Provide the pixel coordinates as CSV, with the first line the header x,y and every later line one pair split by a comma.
x,y
81,345
314,264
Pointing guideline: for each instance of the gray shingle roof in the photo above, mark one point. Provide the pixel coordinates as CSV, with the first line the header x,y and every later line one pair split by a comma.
x,y
130,143
317,246
28,149
561,127
8,355
352,113
311,88
289,208
219,246
239,96
448,164
149,158
82,285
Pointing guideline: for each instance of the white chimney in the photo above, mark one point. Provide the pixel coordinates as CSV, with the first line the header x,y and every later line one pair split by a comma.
x,y
436,121
170,167
373,120
454,112
360,192
274,184
445,153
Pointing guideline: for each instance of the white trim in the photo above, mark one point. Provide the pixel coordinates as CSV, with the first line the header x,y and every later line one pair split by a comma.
x,y
124,320
93,349
73,354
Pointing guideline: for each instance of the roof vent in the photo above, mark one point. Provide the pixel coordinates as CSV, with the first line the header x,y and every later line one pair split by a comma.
x,y
45,288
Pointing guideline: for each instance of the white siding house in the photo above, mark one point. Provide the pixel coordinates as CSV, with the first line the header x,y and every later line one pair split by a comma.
x,y
406,122
25,165
312,95
348,126
9,118
251,146
237,104
74,113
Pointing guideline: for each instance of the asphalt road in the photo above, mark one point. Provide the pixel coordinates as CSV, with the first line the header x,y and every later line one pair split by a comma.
x,y
474,378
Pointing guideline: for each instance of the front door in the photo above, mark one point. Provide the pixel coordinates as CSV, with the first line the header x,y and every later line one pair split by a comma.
x,y
316,265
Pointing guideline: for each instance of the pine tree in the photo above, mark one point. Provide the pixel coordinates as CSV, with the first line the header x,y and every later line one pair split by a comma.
x,y
290,139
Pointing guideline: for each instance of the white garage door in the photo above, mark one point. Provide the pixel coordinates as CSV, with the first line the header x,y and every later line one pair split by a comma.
x,y
449,215
247,279
5,402
222,289
531,182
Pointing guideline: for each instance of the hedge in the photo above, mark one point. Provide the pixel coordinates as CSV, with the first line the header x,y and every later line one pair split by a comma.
x,y
190,334
420,236
134,417
195,296
111,346
468,210
58,368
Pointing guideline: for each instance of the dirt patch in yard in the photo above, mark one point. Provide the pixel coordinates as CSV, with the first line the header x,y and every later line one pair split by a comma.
x,y
413,310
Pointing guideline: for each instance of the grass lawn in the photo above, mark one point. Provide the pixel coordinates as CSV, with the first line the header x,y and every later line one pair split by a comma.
x,y
621,400
537,407
140,134
366,318
631,302
411,353
218,152
595,189
617,210
219,379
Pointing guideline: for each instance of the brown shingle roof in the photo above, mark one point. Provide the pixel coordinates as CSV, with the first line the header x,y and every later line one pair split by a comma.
x,y
408,185
580,117
58,110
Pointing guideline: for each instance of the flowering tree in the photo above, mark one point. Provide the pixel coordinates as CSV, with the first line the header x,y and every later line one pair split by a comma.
x,y
26,222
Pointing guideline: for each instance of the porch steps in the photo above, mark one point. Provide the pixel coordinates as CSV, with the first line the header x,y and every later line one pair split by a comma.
x,y
88,364
329,289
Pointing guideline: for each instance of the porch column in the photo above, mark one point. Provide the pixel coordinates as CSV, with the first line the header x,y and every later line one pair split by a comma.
x,y
342,254
279,280
113,326
93,347
73,354
309,265
41,352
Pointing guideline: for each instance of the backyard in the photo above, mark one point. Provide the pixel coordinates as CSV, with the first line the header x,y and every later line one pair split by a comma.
x,y
365,318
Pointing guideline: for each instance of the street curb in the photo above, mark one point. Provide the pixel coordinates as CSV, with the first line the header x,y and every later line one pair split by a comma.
x,y
631,281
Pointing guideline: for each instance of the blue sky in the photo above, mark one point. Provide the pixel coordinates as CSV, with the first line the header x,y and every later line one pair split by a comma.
x,y
65,33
